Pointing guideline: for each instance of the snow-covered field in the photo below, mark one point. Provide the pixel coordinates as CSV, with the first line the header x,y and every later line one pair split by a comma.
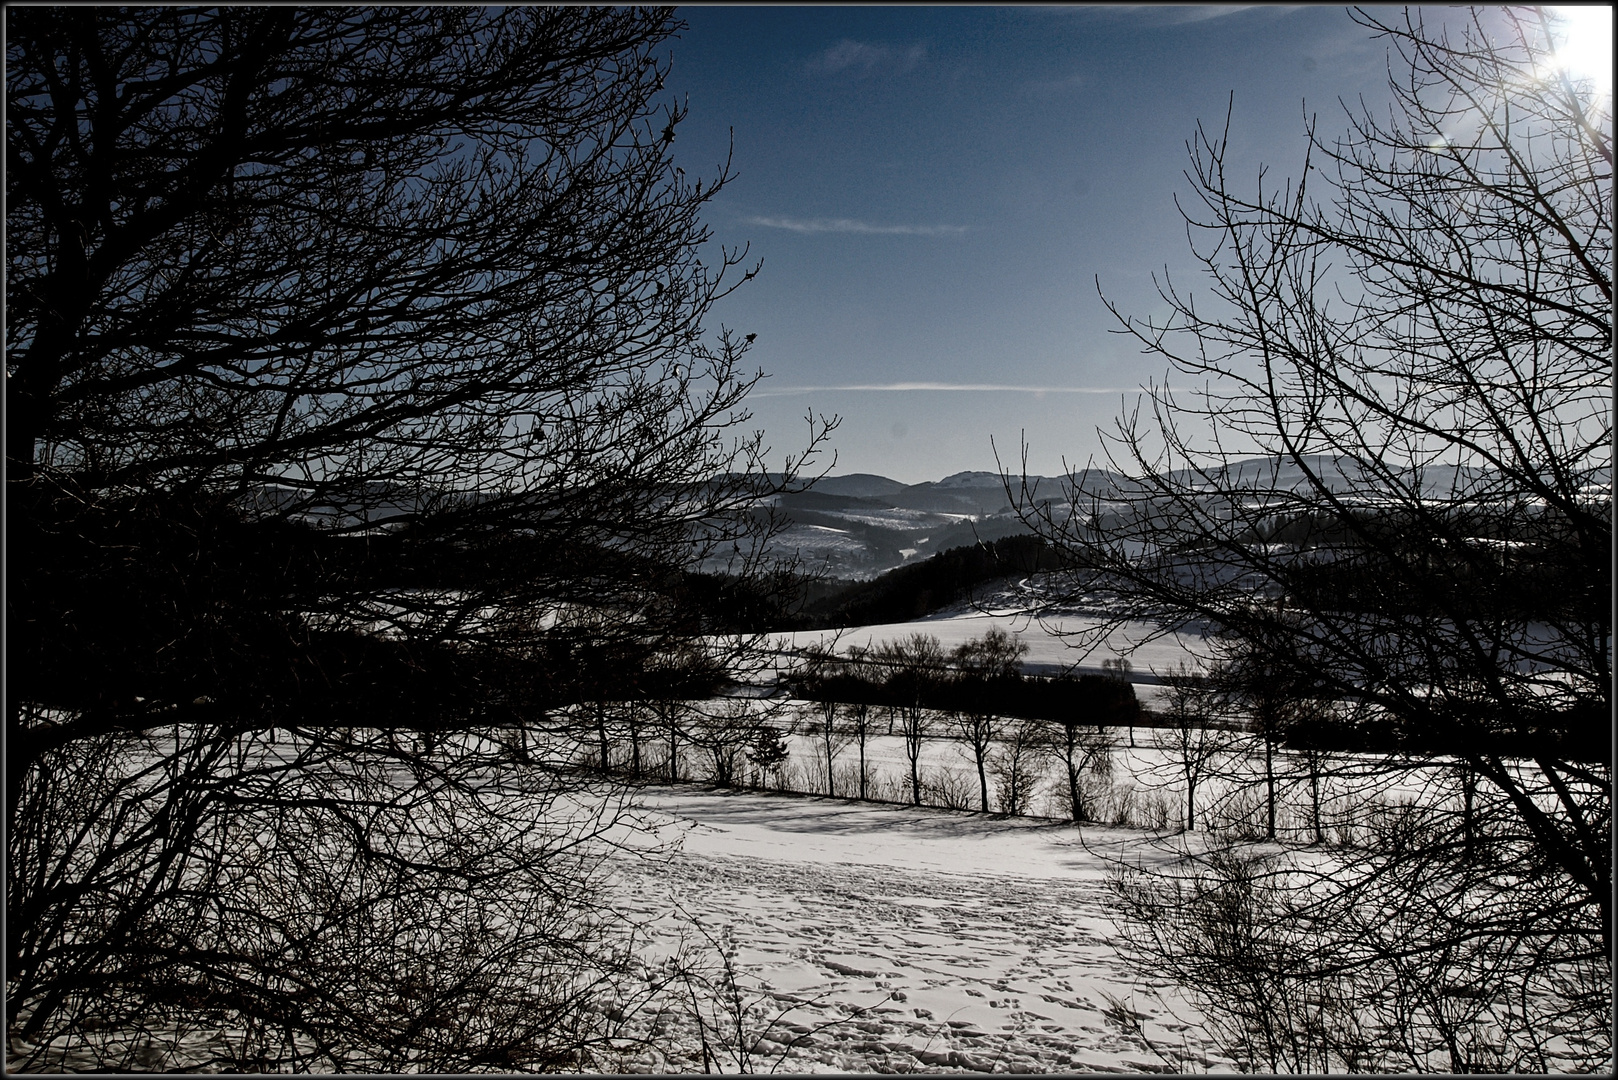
x,y
827,935
872,938
858,937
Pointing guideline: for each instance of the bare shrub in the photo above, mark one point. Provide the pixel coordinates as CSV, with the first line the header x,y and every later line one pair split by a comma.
x,y
793,776
948,788
850,780
1153,811
1324,966
886,787
1239,815
1017,763
327,901
1121,807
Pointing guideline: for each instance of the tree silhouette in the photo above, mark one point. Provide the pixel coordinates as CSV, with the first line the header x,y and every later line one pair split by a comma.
x,y
1391,492
1195,743
979,663
914,667
324,322
357,379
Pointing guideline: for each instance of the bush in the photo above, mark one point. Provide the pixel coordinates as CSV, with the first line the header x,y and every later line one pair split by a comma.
x,y
948,788
326,900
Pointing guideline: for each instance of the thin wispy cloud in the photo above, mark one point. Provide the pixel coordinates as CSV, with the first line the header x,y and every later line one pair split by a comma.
x,y
863,58
1171,14
849,225
1180,14
785,391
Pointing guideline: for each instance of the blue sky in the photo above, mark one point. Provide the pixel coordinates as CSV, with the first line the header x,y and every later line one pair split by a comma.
x,y
934,193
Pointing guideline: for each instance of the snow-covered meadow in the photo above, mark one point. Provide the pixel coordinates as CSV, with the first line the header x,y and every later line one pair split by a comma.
x,y
880,938
775,928
803,934
792,932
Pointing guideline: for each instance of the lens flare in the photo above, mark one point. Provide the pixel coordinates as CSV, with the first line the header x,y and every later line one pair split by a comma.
x,y
1583,43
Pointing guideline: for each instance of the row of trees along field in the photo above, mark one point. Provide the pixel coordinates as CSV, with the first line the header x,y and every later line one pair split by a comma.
x,y
686,703
975,692
357,377
1386,481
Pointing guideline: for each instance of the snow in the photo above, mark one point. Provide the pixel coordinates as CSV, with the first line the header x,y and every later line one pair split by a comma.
x,y
865,937
871,938
895,518
829,832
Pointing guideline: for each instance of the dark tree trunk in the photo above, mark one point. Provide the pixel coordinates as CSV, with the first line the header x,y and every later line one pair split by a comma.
x,y
1314,795
1076,803
1269,782
862,763
826,739
1469,787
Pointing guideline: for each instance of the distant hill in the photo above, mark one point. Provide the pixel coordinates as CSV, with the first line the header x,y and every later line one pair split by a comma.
x,y
819,499
970,480
924,586
859,485
859,526
958,499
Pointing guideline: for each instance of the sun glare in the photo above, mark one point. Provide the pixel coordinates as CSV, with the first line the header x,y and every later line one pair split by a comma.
x,y
1583,36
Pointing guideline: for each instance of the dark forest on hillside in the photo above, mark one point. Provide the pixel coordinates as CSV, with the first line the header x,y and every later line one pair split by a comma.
x,y
921,588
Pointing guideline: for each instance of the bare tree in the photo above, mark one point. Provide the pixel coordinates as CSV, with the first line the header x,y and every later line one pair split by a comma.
x,y
859,712
427,280
727,729
1119,667
1275,699
1085,748
684,670
357,379
914,666
671,714
824,665
996,655
634,721
1081,736
1018,763
1393,487
1195,742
